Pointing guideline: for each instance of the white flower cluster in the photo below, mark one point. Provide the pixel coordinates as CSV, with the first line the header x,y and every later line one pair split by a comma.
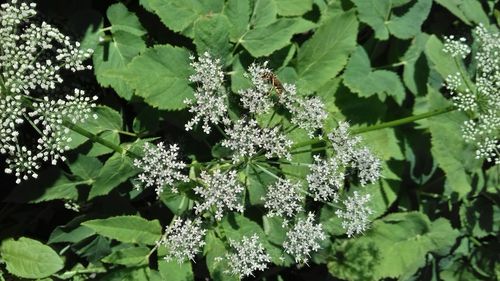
x,y
356,214
303,239
247,256
257,99
327,176
283,199
32,58
246,138
325,179
481,100
183,240
220,191
160,167
209,105
307,113
456,47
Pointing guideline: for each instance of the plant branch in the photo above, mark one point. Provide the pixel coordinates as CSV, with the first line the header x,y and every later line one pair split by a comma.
x,y
380,126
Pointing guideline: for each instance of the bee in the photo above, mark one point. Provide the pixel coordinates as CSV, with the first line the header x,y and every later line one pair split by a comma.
x,y
274,81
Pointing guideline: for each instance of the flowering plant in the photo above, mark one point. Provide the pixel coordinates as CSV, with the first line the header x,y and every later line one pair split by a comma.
x,y
249,139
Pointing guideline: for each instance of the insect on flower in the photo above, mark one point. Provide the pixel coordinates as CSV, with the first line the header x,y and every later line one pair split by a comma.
x,y
270,77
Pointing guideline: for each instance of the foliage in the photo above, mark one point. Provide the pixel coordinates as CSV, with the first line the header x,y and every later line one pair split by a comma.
x,y
382,66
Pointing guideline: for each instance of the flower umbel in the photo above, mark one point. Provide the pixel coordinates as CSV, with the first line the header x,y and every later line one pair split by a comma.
x,y
247,256
355,214
220,192
479,96
160,167
283,199
303,239
209,103
33,58
183,240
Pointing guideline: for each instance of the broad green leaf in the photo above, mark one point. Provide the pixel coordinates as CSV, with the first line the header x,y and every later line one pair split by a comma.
x,y
265,40
180,15
126,43
378,14
360,78
85,167
173,271
324,55
354,261
123,20
28,258
117,169
214,249
450,151
93,250
264,13
133,256
62,234
211,34
107,119
128,229
257,182
293,7
403,241
160,75
238,14
273,227
384,144
416,70
469,11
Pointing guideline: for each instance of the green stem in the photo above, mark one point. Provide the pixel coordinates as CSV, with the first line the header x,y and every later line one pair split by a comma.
x,y
403,121
95,138
380,126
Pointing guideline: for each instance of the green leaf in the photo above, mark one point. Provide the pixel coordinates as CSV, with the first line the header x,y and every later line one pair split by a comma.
x,y
293,7
214,248
257,182
160,75
360,78
28,258
402,241
384,144
450,151
324,55
123,20
379,15
264,13
62,234
180,15
211,34
133,256
117,169
107,119
173,271
355,262
469,11
265,40
128,229
416,70
85,167
238,14
115,55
